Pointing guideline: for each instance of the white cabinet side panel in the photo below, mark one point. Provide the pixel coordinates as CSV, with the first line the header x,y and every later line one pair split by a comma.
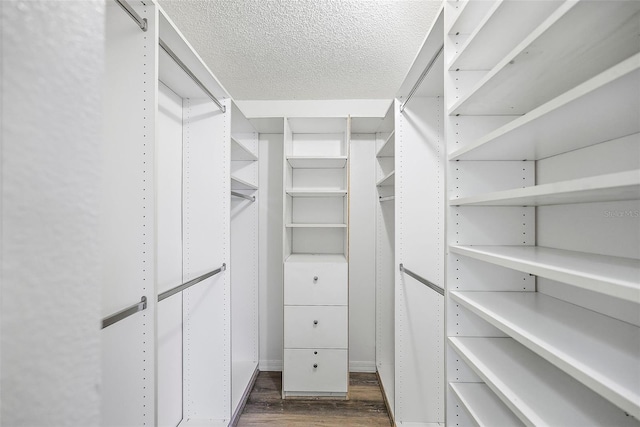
x,y
50,198
420,234
128,388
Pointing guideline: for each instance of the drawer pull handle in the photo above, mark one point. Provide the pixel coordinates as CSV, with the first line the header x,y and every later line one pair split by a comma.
x,y
315,352
315,365
315,278
315,322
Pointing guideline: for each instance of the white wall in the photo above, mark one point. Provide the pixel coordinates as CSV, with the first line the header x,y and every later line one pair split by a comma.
x,y
52,70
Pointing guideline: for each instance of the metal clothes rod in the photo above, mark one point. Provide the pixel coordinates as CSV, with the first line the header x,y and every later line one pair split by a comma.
x,y
190,74
142,22
244,196
386,198
422,76
422,280
123,314
190,283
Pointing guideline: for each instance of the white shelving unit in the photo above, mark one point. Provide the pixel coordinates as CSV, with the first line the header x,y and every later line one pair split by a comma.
x,y
543,265
388,180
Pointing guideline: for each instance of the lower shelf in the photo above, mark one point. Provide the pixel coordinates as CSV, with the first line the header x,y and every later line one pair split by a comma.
x,y
242,373
483,405
386,374
204,423
536,391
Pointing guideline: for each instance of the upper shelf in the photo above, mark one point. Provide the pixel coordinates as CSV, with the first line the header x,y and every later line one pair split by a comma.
x,y
603,108
316,192
469,14
388,180
307,162
240,152
483,405
536,391
597,350
387,149
540,67
614,276
239,184
602,188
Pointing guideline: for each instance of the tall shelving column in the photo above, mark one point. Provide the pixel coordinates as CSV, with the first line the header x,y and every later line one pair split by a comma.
x,y
543,288
315,257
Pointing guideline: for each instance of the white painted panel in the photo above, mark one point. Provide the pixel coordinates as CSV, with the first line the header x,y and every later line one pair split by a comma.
x,y
169,383
469,274
318,144
315,370
318,240
50,199
484,225
470,178
464,130
315,326
318,178
318,210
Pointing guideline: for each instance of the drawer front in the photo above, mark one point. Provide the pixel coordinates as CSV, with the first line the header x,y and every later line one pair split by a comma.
x,y
315,370
315,283
315,327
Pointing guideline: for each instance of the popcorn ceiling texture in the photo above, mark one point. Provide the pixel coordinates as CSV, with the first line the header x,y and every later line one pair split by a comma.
x,y
306,49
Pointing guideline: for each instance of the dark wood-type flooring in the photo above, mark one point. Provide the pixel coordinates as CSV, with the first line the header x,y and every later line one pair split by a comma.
x,y
365,406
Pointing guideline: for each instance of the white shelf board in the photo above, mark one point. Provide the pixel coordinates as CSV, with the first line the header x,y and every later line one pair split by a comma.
x,y
238,184
388,180
316,192
486,409
316,225
386,198
603,108
614,276
388,147
536,391
517,19
386,372
336,258
469,15
203,423
303,162
599,351
602,188
240,152
541,66
242,373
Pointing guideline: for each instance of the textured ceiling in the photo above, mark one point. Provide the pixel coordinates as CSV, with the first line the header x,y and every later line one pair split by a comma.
x,y
306,49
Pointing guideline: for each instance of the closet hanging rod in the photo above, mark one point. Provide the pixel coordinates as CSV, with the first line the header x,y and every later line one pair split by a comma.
x,y
180,288
123,314
422,76
142,22
191,75
244,196
422,280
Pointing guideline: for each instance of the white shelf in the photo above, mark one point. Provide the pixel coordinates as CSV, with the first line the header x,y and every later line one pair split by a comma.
x,y
614,276
540,67
486,409
242,373
601,352
333,258
603,108
388,147
386,198
238,184
388,180
303,162
536,391
517,19
469,15
240,152
603,188
203,423
299,225
296,192
386,372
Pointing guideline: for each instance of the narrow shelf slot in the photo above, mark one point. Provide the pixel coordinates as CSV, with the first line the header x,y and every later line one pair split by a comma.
x,y
240,152
614,276
536,391
603,188
566,335
521,82
388,180
483,405
387,149
299,192
316,225
603,108
238,184
304,162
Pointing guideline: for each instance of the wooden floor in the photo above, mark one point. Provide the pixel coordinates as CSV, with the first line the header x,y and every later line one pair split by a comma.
x,y
365,406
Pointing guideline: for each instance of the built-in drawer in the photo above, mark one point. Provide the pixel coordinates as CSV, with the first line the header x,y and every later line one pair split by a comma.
x,y
315,283
315,326
315,370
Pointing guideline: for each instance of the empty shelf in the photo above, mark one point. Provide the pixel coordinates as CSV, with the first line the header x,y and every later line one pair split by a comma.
x,y
603,108
388,147
299,225
301,162
238,184
470,13
388,180
603,188
614,276
536,391
294,192
597,350
242,375
483,405
240,152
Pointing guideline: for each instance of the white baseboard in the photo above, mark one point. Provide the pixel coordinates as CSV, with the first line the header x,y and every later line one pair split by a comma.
x,y
362,366
270,365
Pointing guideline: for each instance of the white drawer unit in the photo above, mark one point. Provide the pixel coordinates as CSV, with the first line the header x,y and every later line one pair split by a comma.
x,y
315,326
314,371
315,283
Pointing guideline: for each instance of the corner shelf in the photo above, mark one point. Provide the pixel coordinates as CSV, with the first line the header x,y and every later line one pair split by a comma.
x,y
388,147
238,184
613,276
240,152
486,409
600,109
388,180
602,188
522,80
566,335
536,391
307,162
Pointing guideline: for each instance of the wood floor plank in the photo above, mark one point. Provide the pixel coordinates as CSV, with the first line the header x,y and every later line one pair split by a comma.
x,y
365,407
